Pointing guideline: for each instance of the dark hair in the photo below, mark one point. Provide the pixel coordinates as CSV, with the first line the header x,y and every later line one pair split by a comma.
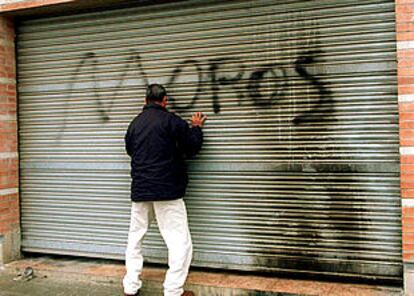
x,y
155,92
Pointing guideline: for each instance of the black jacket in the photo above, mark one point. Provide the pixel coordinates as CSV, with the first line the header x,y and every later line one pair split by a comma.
x,y
157,142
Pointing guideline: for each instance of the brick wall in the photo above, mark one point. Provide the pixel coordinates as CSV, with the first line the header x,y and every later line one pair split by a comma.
x,y
9,197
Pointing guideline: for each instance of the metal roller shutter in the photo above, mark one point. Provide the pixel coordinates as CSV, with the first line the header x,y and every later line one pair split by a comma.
x,y
300,168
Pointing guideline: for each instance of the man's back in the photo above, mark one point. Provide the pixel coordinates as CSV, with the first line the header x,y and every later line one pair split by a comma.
x,y
157,141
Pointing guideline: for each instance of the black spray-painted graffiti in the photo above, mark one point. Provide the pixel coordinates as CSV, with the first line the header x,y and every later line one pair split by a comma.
x,y
90,59
245,83
215,79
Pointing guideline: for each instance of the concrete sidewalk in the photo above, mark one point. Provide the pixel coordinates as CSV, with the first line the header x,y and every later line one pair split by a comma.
x,y
89,277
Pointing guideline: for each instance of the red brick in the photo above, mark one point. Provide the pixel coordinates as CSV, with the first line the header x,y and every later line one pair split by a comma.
x,y
406,142
12,100
10,215
8,126
407,134
408,228
405,53
406,159
7,174
406,116
406,177
10,164
407,185
400,2
407,168
406,124
405,71
408,211
408,220
407,193
9,181
11,92
408,247
403,17
405,36
406,89
405,27
408,257
402,63
4,204
408,80
10,204
6,169
7,107
407,107
9,197
10,222
404,8
14,203
408,237
8,146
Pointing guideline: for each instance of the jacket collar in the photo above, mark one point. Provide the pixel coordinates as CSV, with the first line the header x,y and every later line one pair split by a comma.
x,y
154,106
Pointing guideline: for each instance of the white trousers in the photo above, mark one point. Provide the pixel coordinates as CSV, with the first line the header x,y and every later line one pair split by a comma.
x,y
172,222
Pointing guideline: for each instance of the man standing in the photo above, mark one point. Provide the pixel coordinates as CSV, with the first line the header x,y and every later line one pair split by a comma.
x,y
157,142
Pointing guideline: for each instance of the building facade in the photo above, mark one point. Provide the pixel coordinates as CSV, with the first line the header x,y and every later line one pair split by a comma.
x,y
307,164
